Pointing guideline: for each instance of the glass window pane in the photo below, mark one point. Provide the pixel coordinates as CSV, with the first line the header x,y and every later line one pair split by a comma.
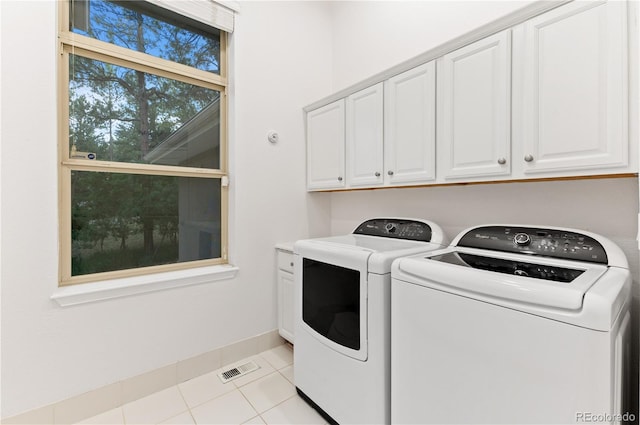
x,y
120,114
140,26
126,221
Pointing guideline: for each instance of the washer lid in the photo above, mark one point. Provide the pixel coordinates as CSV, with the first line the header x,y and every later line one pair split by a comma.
x,y
461,275
592,298
519,267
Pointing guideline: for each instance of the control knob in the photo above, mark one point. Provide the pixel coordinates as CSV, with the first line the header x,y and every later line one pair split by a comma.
x,y
522,239
390,227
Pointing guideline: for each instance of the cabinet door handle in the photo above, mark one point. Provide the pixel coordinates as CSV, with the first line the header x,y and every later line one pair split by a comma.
x,y
291,264
528,158
377,174
390,172
339,179
502,161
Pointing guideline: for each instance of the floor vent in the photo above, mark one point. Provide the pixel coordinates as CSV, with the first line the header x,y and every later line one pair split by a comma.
x,y
238,371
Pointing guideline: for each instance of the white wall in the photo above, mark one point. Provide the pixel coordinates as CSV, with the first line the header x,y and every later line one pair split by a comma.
x,y
51,353
371,36
604,206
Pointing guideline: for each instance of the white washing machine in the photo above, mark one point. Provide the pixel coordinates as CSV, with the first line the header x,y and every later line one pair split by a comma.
x,y
511,324
342,289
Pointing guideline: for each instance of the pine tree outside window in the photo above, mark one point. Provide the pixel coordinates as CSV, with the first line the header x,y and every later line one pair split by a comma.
x,y
142,141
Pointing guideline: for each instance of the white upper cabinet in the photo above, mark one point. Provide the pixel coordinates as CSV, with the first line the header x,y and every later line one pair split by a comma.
x,y
474,109
570,89
365,137
551,97
409,126
325,147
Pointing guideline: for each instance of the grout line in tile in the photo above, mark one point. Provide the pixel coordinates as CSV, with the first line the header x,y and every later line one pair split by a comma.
x,y
248,401
254,407
250,404
206,401
268,410
287,379
186,404
191,415
182,395
267,360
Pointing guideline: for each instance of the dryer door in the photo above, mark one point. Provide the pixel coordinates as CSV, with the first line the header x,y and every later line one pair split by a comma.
x,y
333,299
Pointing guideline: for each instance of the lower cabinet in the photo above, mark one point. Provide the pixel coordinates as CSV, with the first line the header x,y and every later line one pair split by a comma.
x,y
285,295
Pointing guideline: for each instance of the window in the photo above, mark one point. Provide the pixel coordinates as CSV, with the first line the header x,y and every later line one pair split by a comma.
x,y
143,165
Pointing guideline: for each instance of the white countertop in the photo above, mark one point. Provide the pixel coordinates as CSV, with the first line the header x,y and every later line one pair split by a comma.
x,y
285,246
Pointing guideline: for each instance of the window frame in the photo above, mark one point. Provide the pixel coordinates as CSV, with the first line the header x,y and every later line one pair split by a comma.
x,y
80,45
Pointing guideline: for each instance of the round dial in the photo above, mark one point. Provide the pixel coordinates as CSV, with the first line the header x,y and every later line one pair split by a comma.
x,y
390,227
522,239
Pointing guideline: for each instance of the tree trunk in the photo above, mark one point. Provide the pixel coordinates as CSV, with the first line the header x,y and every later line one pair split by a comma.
x,y
147,226
143,115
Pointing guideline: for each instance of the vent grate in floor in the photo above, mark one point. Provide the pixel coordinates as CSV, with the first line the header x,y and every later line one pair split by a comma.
x,y
238,371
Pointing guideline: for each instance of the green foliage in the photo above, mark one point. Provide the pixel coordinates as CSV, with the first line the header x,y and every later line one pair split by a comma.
x,y
121,115
117,259
112,206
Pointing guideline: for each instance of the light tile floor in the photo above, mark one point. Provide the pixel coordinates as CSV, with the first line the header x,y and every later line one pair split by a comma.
x,y
264,396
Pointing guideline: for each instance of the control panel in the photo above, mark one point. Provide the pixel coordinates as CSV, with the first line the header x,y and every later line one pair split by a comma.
x,y
536,241
518,268
395,228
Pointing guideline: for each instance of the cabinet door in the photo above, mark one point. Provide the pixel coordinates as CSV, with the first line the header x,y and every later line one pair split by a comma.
x,y
409,127
325,147
570,83
365,137
285,305
474,109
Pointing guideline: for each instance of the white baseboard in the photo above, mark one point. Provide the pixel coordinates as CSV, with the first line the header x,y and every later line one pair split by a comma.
x,y
109,397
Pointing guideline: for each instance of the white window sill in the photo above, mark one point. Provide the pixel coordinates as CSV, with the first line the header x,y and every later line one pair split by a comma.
x,y
115,288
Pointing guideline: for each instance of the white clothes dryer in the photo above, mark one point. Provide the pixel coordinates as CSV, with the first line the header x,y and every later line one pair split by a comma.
x,y
342,290
511,324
